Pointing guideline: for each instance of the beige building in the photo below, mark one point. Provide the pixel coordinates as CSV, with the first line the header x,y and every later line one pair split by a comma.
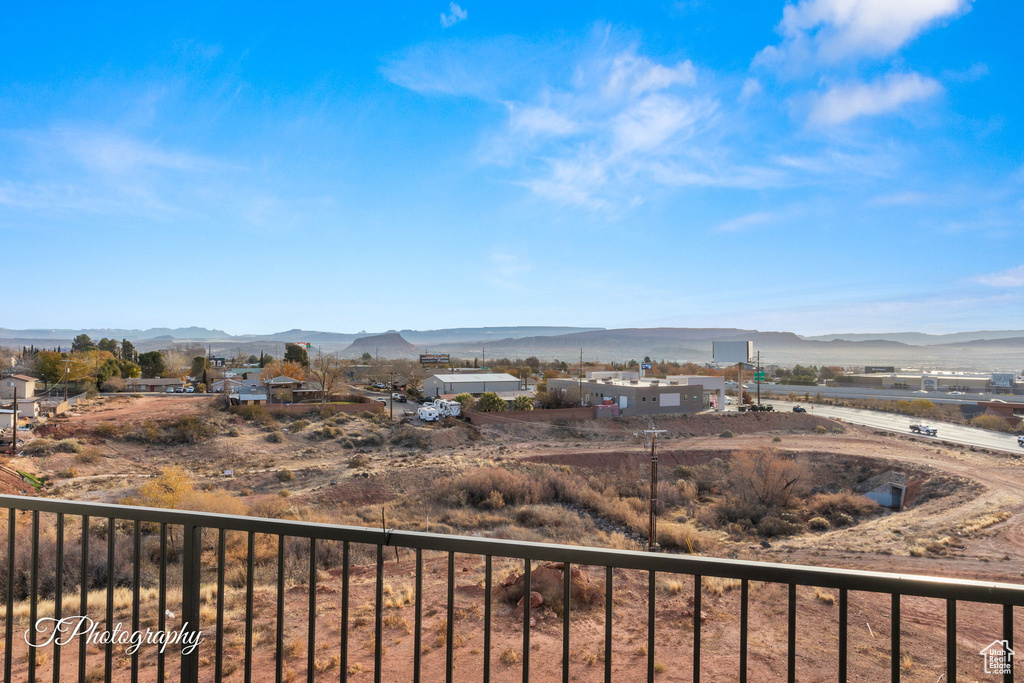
x,y
21,386
647,396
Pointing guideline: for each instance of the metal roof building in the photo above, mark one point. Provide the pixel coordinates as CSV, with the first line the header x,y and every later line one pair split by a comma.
x,y
435,385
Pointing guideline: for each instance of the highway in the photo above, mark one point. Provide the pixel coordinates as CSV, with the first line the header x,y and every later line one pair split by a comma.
x,y
867,392
892,422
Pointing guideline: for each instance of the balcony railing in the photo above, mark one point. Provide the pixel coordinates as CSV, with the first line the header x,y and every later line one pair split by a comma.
x,y
175,545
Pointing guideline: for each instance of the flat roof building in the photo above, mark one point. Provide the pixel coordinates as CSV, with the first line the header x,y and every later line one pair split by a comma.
x,y
647,396
458,383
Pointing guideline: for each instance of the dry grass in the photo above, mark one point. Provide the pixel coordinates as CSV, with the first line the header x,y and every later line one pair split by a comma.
x,y
673,587
974,524
824,596
719,586
509,656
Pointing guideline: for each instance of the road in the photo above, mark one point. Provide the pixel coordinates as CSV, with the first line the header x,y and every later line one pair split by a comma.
x,y
867,392
968,436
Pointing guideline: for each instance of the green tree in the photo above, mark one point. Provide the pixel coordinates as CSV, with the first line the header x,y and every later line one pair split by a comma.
x,y
265,359
130,369
109,345
152,364
490,402
296,354
466,400
200,364
128,352
253,360
49,366
109,369
82,343
523,403
366,357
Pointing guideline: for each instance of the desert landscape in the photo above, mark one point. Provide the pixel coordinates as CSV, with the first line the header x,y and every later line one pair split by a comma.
x,y
774,487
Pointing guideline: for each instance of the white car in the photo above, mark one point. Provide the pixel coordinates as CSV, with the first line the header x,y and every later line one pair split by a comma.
x,y
956,393
381,399
190,390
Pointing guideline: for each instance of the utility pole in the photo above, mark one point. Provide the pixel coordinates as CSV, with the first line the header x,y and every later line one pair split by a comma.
x,y
391,399
14,425
579,376
652,532
67,373
757,380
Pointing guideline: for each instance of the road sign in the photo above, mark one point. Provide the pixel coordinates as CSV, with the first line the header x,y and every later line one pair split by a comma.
x,y
759,376
646,366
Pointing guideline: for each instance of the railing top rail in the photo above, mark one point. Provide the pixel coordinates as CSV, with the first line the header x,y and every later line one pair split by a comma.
x,y
826,577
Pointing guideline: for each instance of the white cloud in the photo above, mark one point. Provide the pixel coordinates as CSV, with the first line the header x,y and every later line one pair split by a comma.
x,y
837,30
458,14
1013,277
751,88
975,72
847,102
748,221
540,120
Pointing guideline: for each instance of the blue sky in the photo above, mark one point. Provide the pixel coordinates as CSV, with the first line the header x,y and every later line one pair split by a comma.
x,y
814,166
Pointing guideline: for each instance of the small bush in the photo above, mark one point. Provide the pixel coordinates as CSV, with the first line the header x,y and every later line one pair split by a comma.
x,y
299,425
772,526
348,443
993,422
819,524
69,473
820,429
776,439
727,434
358,461
324,433
285,474
109,429
275,437
45,446
234,432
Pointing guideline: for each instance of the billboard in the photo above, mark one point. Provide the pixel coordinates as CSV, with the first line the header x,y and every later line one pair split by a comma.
x,y
732,351
435,359
1002,381
871,369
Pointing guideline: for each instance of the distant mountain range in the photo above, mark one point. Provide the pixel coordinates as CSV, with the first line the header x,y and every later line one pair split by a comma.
x,y
980,350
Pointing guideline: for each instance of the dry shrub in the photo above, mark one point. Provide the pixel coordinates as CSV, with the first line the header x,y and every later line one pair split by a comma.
x,y
516,488
727,434
408,436
109,429
285,474
993,422
821,429
766,478
819,524
325,433
275,437
45,446
831,505
252,413
771,526
682,537
299,425
717,585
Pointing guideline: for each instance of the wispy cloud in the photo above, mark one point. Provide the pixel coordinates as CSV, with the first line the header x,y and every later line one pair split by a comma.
x,y
457,14
1012,277
839,30
748,221
844,103
975,72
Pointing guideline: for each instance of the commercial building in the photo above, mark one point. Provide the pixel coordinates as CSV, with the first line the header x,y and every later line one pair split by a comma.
x,y
456,383
647,396
935,381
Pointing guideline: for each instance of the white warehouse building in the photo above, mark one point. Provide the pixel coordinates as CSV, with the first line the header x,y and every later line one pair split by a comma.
x,y
438,385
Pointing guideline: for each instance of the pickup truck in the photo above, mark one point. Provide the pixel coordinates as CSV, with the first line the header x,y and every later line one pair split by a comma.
x,y
924,429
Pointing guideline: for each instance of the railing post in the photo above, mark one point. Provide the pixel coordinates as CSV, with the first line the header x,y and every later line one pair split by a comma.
x,y
190,577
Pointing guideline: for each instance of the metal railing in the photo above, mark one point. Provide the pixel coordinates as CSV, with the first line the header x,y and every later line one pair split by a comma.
x,y
102,522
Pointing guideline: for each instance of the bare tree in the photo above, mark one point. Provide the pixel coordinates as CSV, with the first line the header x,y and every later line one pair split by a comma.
x,y
329,372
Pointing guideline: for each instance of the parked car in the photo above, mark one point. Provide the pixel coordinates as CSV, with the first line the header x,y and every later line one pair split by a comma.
x,y
799,409
179,390
379,385
170,390
381,399
190,390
